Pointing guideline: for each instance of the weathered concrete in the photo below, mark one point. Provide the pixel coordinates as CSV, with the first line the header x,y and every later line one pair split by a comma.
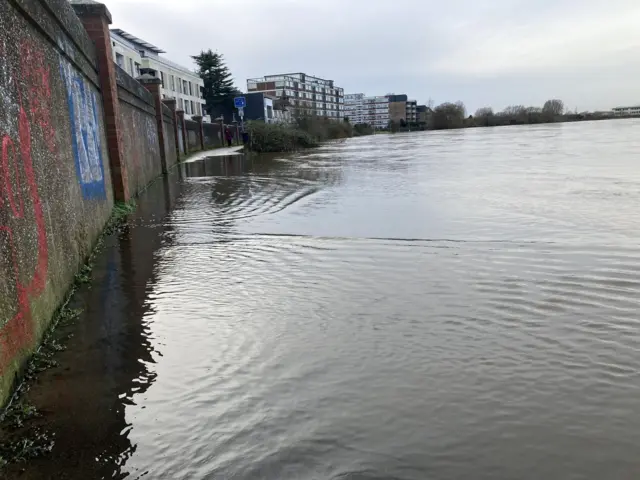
x,y
193,130
140,142
212,135
171,133
76,133
55,192
96,19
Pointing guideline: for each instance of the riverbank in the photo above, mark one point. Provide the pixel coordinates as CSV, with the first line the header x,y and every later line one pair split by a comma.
x,y
303,132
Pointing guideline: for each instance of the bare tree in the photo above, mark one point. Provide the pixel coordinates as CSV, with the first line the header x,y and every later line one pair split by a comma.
x,y
553,107
514,111
484,112
449,115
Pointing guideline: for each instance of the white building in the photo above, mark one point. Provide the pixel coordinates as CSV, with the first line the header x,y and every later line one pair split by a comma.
x,y
183,85
353,108
306,93
371,110
626,111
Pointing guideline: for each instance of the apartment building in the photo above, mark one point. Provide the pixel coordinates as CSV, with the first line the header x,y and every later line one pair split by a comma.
x,y
375,111
371,110
412,111
135,55
306,94
626,111
353,108
397,108
424,114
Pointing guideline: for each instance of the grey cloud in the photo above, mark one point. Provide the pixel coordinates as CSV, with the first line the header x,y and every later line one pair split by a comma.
x,y
483,53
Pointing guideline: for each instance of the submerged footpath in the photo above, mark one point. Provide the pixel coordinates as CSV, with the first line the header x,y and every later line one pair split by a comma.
x,y
94,359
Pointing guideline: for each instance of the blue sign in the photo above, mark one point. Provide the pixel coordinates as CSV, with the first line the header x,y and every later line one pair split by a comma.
x,y
240,102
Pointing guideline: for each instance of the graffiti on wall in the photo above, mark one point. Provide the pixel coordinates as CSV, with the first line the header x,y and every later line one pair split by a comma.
x,y
37,76
22,221
141,144
85,132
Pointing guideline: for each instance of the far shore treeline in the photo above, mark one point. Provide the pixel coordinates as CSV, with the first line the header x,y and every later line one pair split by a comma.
x,y
308,130
454,115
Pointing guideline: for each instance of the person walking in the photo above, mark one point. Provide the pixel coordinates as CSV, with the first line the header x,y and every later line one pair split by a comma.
x,y
229,136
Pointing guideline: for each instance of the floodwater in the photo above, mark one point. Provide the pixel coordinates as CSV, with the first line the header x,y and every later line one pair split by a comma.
x,y
442,305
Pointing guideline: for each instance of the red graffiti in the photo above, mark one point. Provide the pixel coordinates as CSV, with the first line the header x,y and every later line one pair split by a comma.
x,y
17,181
36,74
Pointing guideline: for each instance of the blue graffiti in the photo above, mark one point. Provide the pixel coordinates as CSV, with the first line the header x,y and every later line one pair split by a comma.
x,y
85,132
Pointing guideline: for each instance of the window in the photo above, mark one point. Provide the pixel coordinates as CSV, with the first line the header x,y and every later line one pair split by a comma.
x,y
190,89
185,88
162,78
131,66
186,108
120,60
137,69
181,104
172,81
193,108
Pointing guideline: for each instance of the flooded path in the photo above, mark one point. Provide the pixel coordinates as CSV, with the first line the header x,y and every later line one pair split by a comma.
x,y
431,305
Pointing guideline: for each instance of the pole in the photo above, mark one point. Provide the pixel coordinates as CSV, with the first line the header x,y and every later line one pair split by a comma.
x,y
222,139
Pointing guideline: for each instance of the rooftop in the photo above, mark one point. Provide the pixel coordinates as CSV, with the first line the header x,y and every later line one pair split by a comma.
x,y
137,41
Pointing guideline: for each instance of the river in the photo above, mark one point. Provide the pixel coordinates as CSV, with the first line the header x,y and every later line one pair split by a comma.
x,y
442,305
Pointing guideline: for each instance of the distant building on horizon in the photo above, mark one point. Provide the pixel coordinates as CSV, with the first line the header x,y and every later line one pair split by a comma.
x,y
353,108
361,109
305,93
626,111
380,110
398,108
424,114
133,54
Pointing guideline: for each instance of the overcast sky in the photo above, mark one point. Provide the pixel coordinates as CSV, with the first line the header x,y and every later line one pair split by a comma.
x,y
482,52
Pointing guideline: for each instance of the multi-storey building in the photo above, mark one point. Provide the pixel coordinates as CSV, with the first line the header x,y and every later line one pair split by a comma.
x,y
412,111
306,94
376,111
397,108
626,111
183,85
379,111
371,110
353,108
424,115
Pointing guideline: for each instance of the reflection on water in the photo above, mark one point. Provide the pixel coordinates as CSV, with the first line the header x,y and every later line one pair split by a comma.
x,y
431,305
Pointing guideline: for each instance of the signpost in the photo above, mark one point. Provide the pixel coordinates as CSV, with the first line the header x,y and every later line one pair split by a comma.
x,y
240,103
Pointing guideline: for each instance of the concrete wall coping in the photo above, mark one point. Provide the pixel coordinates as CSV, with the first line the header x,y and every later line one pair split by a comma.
x,y
51,16
91,7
